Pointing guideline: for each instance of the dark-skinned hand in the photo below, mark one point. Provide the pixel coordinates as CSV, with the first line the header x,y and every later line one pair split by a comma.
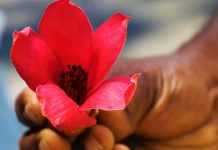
x,y
174,106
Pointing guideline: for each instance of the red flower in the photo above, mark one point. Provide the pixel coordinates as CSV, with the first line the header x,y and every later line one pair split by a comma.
x,y
65,63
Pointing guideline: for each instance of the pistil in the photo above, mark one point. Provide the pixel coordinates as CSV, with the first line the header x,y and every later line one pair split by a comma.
x,y
74,82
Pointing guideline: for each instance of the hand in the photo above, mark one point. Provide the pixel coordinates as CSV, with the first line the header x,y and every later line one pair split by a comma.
x,y
42,137
172,108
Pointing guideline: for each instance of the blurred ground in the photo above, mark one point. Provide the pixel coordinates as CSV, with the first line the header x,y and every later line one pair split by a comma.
x,y
157,27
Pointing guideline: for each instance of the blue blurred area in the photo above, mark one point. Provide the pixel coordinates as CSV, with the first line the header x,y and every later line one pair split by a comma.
x,y
10,128
157,27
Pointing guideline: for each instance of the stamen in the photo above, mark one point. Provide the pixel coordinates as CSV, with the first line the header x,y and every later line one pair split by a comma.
x,y
74,82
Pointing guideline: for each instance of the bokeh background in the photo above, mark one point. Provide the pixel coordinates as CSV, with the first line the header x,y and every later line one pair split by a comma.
x,y
157,27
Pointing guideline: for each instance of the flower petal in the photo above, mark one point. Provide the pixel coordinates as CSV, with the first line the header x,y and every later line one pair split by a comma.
x,y
61,110
33,59
112,94
108,40
67,30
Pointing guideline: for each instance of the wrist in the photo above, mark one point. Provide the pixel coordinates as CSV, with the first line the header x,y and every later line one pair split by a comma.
x,y
201,59
202,52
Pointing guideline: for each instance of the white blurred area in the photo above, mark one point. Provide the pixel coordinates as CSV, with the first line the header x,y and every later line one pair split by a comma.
x,y
177,22
157,27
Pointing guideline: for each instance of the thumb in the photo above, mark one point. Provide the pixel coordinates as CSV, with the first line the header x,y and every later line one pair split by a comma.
x,y
124,122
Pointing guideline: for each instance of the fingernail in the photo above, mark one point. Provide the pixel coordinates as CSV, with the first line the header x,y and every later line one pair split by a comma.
x,y
93,113
91,143
43,145
121,147
29,113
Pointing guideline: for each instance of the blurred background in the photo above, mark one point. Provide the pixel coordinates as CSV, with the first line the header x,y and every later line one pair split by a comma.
x,y
157,27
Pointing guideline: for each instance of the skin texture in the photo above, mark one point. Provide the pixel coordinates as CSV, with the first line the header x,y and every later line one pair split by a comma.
x,y
175,105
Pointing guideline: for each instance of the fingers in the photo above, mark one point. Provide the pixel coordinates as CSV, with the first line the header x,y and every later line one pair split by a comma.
x,y
28,109
118,122
99,137
45,139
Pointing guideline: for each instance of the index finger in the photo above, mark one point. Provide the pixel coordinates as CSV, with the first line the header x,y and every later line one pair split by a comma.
x,y
28,109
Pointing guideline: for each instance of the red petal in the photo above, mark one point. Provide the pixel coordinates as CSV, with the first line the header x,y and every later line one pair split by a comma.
x,y
66,28
33,59
112,94
61,110
109,39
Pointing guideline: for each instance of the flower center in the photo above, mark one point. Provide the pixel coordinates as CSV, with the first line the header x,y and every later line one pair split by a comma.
x,y
74,83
